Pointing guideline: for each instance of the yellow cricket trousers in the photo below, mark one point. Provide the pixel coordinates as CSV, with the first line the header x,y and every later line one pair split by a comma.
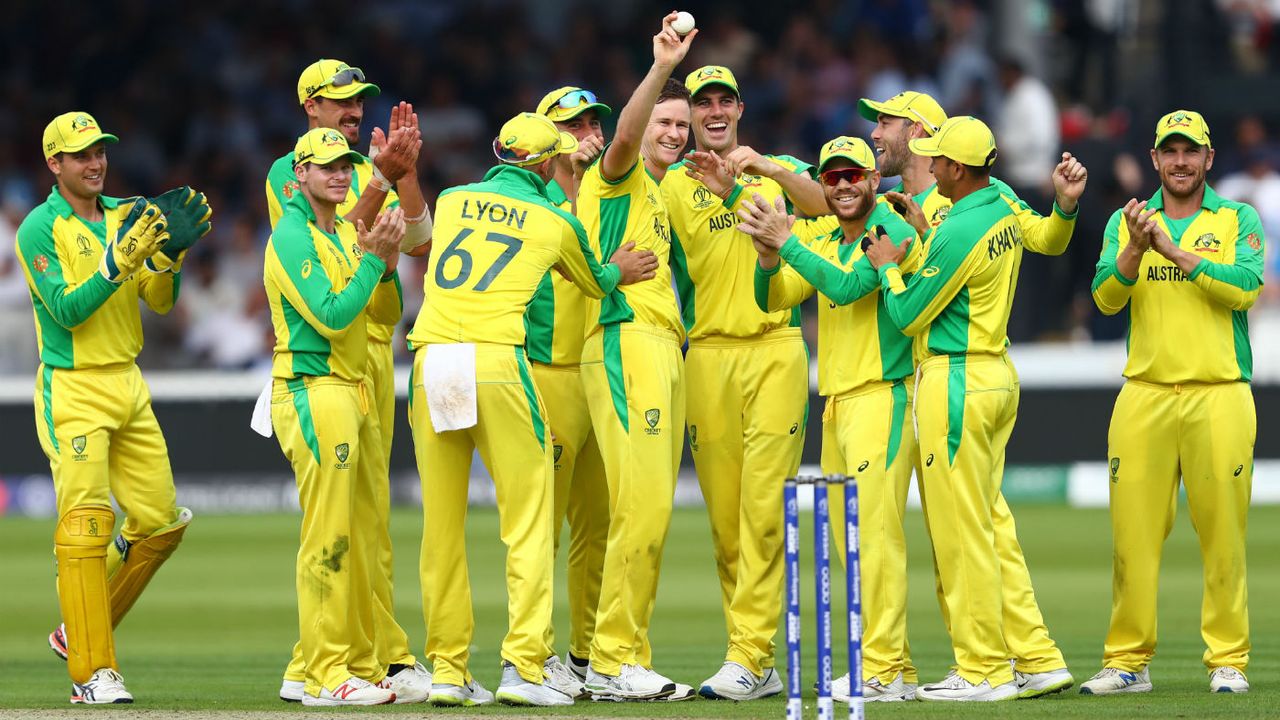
x,y
869,433
747,401
581,495
511,435
391,644
1203,433
101,437
634,379
965,410
324,426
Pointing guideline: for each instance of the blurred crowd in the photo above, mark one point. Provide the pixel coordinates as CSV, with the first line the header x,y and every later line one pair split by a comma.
x,y
203,94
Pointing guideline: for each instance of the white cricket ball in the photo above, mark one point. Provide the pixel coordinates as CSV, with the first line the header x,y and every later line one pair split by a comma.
x,y
683,23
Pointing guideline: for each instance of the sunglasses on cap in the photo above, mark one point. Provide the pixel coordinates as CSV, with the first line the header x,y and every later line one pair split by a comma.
x,y
853,176
574,98
342,78
518,155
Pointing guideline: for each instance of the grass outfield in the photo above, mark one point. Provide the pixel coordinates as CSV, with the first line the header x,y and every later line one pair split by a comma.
x,y
213,631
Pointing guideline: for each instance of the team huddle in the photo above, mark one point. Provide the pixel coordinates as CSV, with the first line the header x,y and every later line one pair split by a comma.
x,y
589,305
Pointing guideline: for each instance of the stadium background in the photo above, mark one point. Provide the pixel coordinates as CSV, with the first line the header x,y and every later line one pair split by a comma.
x,y
203,94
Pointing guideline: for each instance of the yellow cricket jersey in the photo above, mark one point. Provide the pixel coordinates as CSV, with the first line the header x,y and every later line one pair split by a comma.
x,y
282,184
502,235
630,209
319,287
82,319
713,261
857,342
1044,235
557,316
960,299
1183,327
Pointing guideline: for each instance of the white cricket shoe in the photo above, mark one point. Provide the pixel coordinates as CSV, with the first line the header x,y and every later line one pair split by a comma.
x,y
909,690
292,690
872,690
561,677
735,682
354,691
1227,679
1034,685
631,683
1110,681
955,688
473,693
104,687
682,692
515,690
578,666
411,685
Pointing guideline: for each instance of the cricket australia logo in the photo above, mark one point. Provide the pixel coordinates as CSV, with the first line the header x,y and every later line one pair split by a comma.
x,y
1115,469
693,438
703,198
78,444
939,216
1206,243
558,451
651,417
356,252
342,450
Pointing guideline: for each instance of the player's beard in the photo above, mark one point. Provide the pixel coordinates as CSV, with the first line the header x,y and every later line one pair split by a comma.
x,y
895,157
1170,186
862,206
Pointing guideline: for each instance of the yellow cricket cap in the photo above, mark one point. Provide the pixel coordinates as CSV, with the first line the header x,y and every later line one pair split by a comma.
x,y
529,138
711,75
852,149
321,146
566,103
333,79
1187,123
915,106
73,132
966,140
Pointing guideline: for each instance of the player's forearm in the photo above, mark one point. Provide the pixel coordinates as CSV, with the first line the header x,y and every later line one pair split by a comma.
x,y
158,289
908,308
334,312
1111,288
1048,235
70,308
622,153
386,305
368,206
779,288
805,193
1233,287
843,287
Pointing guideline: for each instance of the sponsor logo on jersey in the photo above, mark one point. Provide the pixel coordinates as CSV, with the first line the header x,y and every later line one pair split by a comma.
x,y
794,427
40,263
1239,469
356,252
928,462
78,444
750,181
1206,243
290,188
83,243
864,465
939,215
342,450
1254,241
1115,469
930,271
651,417
306,269
703,198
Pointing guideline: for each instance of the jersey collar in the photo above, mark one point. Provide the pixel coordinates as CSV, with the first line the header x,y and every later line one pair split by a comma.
x,y
300,202
63,208
555,194
518,180
1211,202
984,196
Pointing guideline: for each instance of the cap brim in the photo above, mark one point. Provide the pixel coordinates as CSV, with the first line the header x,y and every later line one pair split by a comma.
x,y
352,154
839,155
559,114
870,110
703,86
1198,141
346,91
568,143
100,137
927,146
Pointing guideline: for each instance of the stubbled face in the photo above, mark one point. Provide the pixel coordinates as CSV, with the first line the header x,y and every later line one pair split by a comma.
x,y
326,183
716,111
667,132
342,115
583,126
83,173
890,140
850,200
1182,165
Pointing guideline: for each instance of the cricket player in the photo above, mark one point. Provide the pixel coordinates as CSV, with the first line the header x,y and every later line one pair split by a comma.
x,y
634,374
966,395
1039,666
865,373
88,260
472,389
748,378
323,275
1188,263
332,94
557,320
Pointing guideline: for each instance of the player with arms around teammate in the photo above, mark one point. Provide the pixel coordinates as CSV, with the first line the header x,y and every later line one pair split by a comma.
x,y
89,259
748,374
865,372
1188,264
557,319
332,94
472,389
322,277
957,305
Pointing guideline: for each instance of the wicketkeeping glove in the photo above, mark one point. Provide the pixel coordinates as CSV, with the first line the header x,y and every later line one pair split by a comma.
x,y
142,231
187,213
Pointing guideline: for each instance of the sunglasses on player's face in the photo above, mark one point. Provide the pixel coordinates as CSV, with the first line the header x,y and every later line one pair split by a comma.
x,y
574,98
853,176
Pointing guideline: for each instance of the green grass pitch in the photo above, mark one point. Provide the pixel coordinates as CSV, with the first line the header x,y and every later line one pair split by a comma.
x,y
213,631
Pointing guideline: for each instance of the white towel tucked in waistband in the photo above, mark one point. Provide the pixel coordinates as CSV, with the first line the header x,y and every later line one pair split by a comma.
x,y
449,379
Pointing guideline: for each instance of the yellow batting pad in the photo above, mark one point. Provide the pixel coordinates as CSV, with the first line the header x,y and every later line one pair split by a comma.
x,y
80,544
133,564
